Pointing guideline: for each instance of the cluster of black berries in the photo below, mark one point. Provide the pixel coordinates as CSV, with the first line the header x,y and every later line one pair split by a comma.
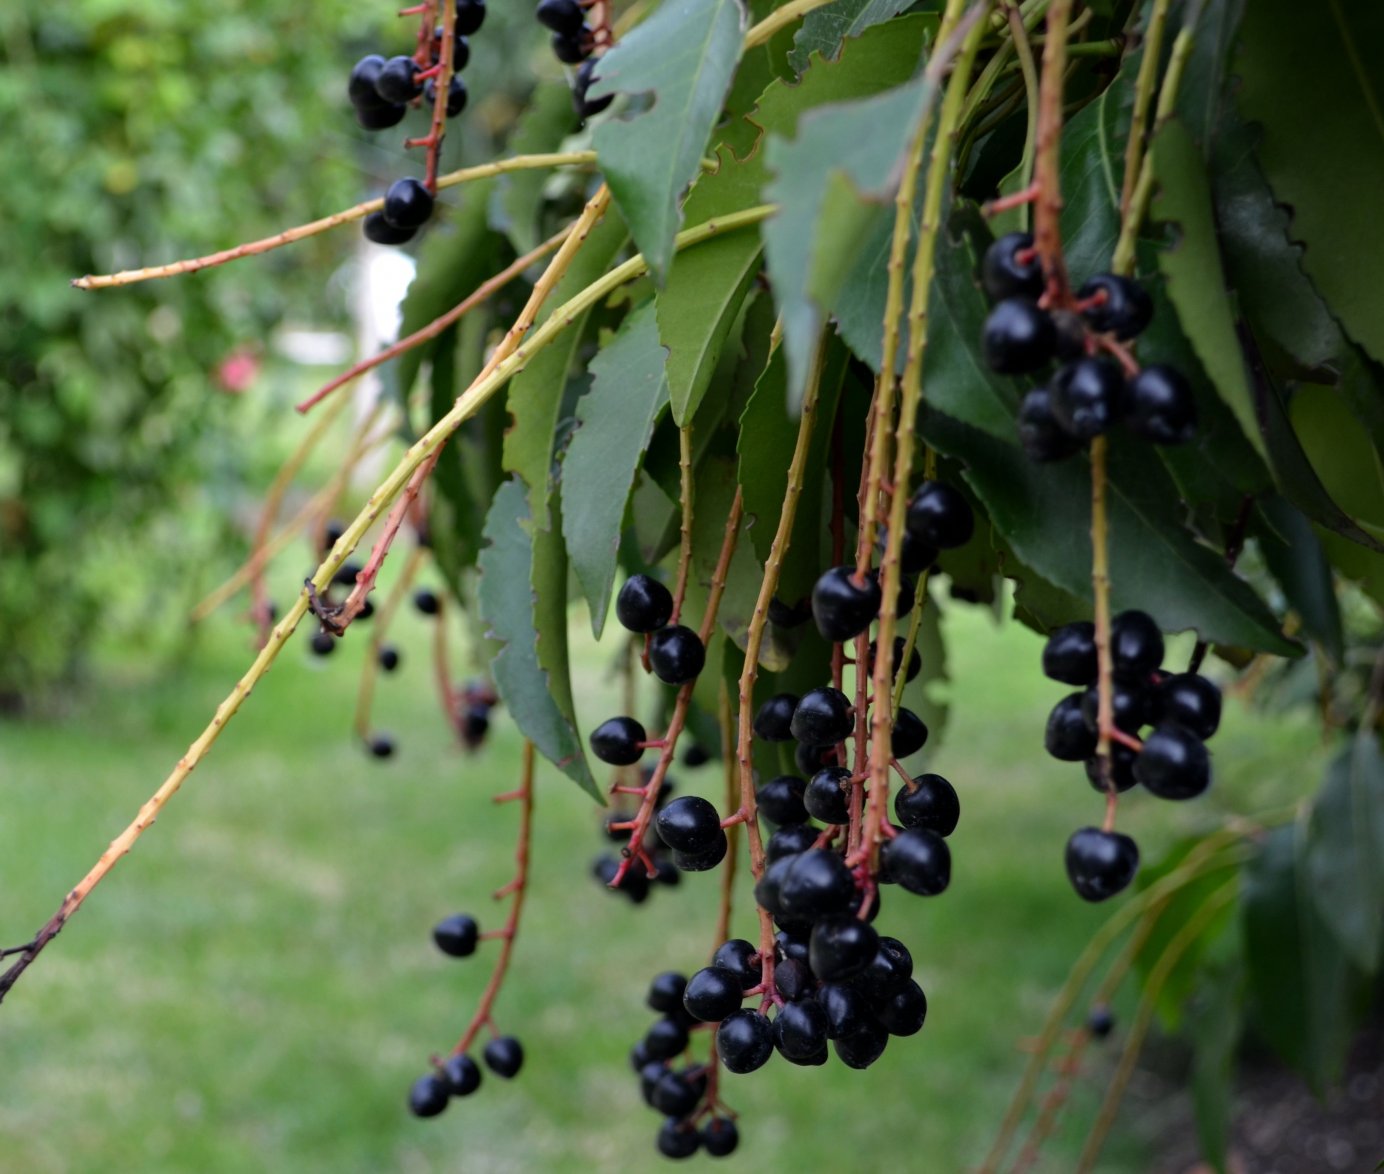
x,y
679,1093
381,92
459,1075
636,884
573,43
1088,394
1171,762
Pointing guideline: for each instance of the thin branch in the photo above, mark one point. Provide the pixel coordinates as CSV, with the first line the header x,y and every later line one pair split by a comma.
x,y
383,617
1143,99
685,543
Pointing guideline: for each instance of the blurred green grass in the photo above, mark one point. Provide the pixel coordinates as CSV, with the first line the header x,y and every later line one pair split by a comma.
x,y
255,987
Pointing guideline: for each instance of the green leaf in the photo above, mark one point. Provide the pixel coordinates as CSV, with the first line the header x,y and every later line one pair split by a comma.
x,y
1204,96
1215,1026
540,705
1299,980
696,311
824,29
1309,74
821,221
1343,852
629,390
1340,452
458,258
1044,513
1092,170
1296,559
536,393
684,56
548,118
1196,283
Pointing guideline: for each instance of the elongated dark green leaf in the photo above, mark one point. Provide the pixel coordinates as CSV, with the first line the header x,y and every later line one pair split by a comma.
x,y
629,390
1204,96
547,119
1215,1026
1044,513
1196,284
858,143
1340,451
536,393
1311,75
540,706
1296,559
1343,852
1092,155
684,56
1299,979
458,258
825,29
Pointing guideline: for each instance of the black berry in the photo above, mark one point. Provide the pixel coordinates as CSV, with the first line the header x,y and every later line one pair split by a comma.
x,y
457,94
930,803
677,655
407,204
1192,702
780,800
381,117
1101,864
903,1012
915,660
843,607
1018,338
940,515
1125,310
1129,705
457,936
745,1040
919,860
388,657
909,734
666,1038
561,16
800,1030
827,795
1136,645
739,956
426,601
864,1047
1101,1021
462,1074
678,1138
619,741
323,643
666,991
644,604
1069,655
688,824
789,840
1120,770
841,947
816,883
1042,438
360,89
428,1096
504,1056
381,746
673,1095
712,994
470,17
1004,275
705,860
846,1008
572,49
1173,764
822,717
1162,408
1067,736
397,80
1088,396
774,720
720,1136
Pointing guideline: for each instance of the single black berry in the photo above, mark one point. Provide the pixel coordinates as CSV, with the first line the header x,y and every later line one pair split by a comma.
x,y
665,992
1129,705
915,660
822,717
1173,764
903,1012
572,49
790,946
909,734
712,993
745,1040
1018,338
462,1074
457,94
915,555
1067,736
407,203
397,80
688,824
705,860
1004,275
774,721
1100,864
848,1011
360,89
864,1047
793,979
930,803
1124,310
666,1038
619,741
1136,645
1101,1021
940,515
381,117
561,16
461,57
676,654
678,1138
457,935
919,860
720,1137
841,947
780,800
426,601
428,1096
470,17
740,956
1162,408
504,1056
789,840
842,606
816,883
388,657
1120,770
1192,702
323,643
644,604
381,746
800,1030
377,229
888,970
1069,655
1088,396
673,1095
827,795
1042,438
